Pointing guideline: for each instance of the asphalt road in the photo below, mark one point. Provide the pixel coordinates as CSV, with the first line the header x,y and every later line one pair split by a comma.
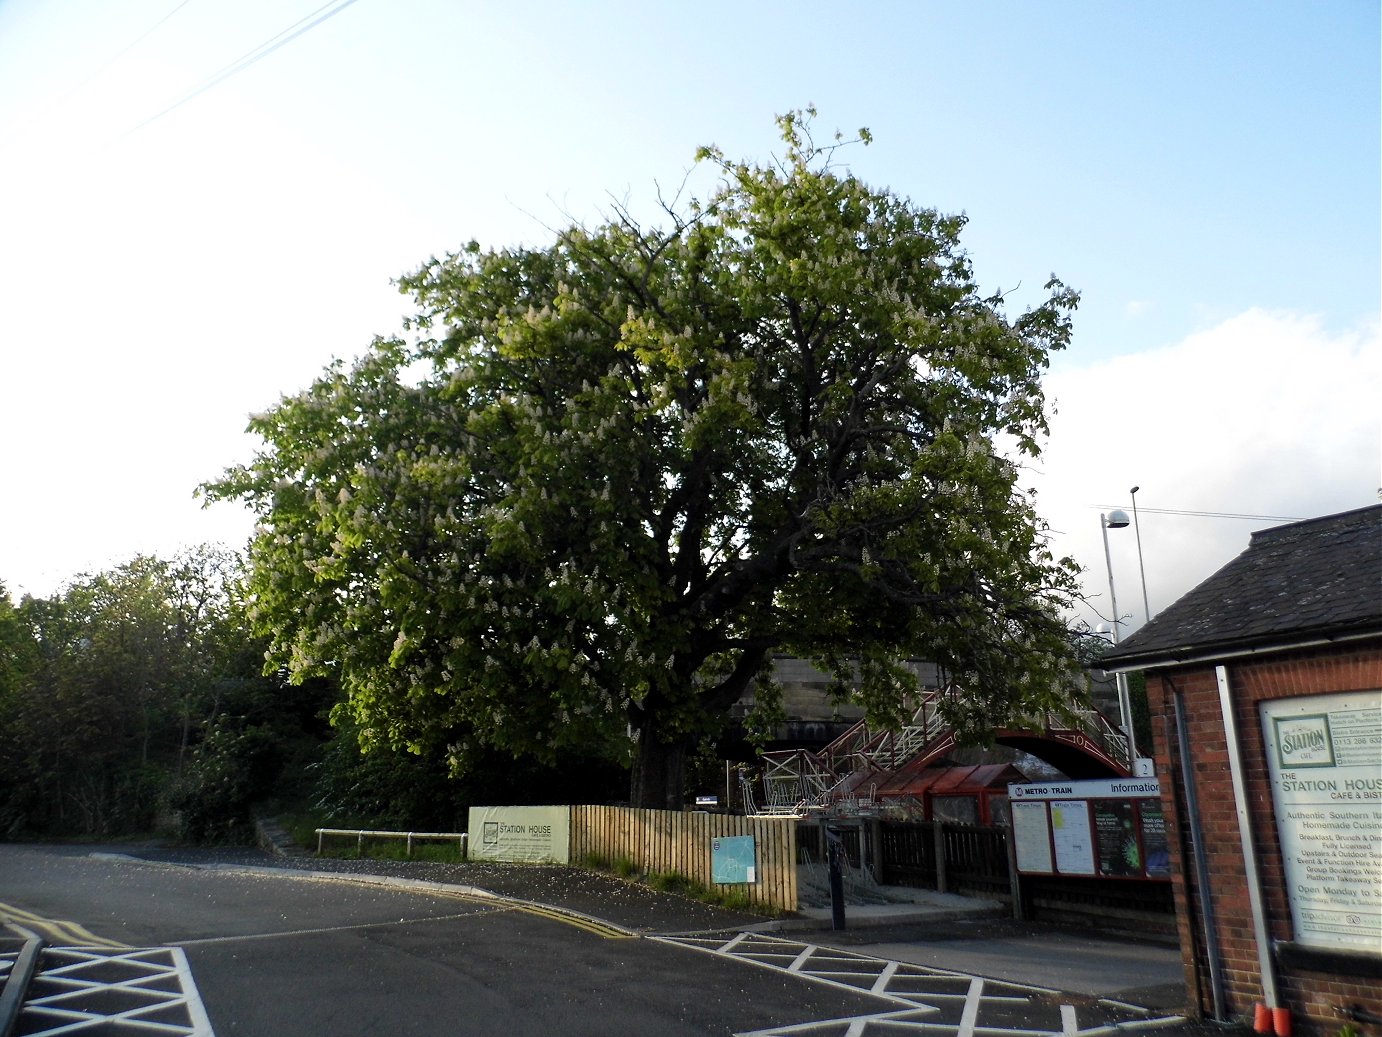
x,y
510,950
284,953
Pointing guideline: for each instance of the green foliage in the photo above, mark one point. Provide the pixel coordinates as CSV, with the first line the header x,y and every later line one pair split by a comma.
x,y
232,769
677,884
1143,728
672,882
386,789
138,690
609,477
397,789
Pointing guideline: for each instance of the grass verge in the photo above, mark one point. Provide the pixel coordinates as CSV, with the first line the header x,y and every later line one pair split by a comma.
x,y
676,884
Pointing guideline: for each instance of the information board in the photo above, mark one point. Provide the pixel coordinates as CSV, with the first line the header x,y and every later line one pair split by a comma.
x,y
1324,753
537,835
733,859
1032,837
1104,827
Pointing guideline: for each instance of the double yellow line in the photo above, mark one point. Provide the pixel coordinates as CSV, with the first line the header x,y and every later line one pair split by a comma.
x,y
55,930
62,933
571,918
590,925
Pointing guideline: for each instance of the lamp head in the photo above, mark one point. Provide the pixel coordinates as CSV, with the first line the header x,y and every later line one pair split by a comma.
x,y
1116,519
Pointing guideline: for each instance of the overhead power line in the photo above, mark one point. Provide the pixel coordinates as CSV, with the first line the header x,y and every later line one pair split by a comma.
x,y
292,32
103,68
136,42
1205,514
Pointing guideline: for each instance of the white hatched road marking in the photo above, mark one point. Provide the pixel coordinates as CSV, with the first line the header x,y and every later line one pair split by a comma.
x,y
939,1002
971,1012
94,989
1068,1023
884,978
142,991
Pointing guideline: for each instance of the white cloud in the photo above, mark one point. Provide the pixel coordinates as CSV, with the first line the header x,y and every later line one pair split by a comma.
x,y
1266,413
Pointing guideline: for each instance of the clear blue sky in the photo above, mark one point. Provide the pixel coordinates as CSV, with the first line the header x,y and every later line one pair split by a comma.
x,y
1206,174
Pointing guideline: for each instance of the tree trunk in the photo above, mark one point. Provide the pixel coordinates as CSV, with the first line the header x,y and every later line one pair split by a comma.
x,y
658,777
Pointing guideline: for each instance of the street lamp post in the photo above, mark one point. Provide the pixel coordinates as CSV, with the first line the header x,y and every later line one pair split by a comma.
x,y
1142,569
1118,519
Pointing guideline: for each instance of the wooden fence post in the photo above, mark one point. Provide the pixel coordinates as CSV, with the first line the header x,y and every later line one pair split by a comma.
x,y
938,834
1014,879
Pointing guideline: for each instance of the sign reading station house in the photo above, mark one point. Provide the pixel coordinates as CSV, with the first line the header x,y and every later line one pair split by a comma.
x,y
1324,753
536,835
1103,828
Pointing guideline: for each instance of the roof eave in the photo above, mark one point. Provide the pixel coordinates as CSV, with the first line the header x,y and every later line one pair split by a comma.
x,y
1189,655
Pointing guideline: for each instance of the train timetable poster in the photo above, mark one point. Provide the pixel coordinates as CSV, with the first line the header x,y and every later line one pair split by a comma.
x,y
1032,837
1070,834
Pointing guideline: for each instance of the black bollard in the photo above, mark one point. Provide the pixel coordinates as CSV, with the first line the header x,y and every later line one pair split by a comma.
x,y
835,851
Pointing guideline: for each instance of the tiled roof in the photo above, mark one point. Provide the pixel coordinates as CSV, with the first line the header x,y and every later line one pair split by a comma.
x,y
1315,580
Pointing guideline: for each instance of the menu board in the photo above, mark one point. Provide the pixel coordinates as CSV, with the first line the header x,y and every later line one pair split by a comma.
x,y
1032,837
1071,835
1324,753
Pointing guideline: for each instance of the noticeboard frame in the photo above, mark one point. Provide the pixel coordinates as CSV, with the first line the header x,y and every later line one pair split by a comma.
x,y
1104,829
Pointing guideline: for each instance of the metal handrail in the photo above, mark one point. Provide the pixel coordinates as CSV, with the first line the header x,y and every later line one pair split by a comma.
x,y
461,838
824,778
16,984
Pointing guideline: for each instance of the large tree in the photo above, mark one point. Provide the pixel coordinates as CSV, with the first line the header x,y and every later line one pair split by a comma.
x,y
603,480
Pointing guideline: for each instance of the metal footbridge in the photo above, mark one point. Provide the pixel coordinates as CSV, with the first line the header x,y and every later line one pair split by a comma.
x,y
843,779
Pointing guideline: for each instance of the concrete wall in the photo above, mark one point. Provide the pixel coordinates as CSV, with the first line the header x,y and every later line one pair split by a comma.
x,y
1316,987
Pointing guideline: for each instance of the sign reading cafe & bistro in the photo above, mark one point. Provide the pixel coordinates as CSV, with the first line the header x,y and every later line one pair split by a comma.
x,y
1324,753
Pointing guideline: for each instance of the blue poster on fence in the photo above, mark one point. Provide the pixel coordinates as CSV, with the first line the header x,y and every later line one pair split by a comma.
x,y
732,859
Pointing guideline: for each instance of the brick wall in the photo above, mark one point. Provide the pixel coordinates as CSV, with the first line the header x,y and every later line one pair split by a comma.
x,y
1314,997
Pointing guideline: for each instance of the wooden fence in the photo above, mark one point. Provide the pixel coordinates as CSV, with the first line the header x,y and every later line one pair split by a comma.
x,y
668,841
950,857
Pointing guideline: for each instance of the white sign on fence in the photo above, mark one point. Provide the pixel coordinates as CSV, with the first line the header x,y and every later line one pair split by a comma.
x,y
1324,753
536,835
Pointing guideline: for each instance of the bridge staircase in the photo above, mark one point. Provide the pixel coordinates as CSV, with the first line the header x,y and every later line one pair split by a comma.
x,y
841,780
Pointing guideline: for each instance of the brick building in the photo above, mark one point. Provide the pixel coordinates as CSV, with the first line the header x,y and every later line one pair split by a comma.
x,y
1263,683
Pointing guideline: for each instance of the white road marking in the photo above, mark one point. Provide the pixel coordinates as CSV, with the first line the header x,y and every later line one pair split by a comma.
x,y
1068,1023
971,1012
884,977
78,988
936,1002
